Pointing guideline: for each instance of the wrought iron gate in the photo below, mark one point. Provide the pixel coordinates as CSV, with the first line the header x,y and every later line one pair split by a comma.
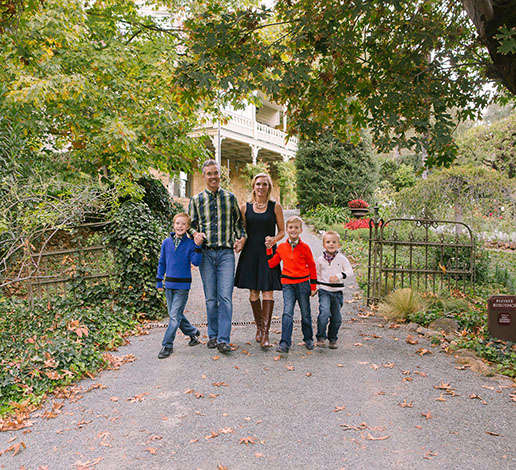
x,y
424,254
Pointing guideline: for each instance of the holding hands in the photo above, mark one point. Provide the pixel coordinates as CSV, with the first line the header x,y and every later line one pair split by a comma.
x,y
269,242
239,245
199,238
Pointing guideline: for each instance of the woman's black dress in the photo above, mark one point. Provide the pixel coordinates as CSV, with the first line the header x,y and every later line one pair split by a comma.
x,y
252,271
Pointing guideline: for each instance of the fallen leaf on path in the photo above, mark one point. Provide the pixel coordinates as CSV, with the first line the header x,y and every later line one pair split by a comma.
x,y
440,398
443,386
151,450
358,344
418,372
114,398
423,351
88,464
340,365
389,365
405,404
227,430
221,467
374,366
308,374
381,392
290,368
213,395
156,437
258,455
411,340
15,448
136,398
247,440
491,433
429,455
95,386
348,427
339,408
12,439
407,379
212,435
83,422
199,395
215,358
369,437
276,358
426,415
220,384
405,372
193,441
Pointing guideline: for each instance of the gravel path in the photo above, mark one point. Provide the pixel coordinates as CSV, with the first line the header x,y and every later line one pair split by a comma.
x,y
370,404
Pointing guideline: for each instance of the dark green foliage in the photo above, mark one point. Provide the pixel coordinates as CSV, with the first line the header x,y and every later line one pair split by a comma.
x,y
158,200
136,237
323,216
400,175
64,340
332,172
460,258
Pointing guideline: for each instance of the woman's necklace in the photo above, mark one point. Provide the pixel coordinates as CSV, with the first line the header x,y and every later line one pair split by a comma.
x,y
260,205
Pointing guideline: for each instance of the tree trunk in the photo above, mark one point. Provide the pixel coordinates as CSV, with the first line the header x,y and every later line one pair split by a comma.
x,y
488,16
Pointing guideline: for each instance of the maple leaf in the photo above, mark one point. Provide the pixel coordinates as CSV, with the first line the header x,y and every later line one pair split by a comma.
x,y
411,340
247,440
339,408
423,351
426,415
405,404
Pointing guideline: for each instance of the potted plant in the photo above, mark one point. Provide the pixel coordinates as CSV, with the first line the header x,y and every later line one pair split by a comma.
x,y
358,207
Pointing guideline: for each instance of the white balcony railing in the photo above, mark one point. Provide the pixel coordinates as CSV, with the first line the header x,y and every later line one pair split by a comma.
x,y
261,132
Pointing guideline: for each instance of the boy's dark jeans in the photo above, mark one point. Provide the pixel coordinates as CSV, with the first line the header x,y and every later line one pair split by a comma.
x,y
330,304
292,293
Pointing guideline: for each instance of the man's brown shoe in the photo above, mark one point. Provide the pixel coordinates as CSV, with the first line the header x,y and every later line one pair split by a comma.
x,y
333,345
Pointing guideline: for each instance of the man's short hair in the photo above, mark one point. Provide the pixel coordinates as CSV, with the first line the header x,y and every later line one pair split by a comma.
x,y
331,232
294,219
210,162
184,215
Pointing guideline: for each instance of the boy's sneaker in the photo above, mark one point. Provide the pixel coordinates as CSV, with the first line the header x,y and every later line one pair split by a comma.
x,y
165,352
194,339
212,343
309,345
321,343
333,345
223,348
282,349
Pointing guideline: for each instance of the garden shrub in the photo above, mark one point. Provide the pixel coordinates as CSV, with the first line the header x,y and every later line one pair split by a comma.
x,y
323,216
333,172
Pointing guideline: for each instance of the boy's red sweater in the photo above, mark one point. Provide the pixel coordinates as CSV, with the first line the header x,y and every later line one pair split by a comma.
x,y
298,263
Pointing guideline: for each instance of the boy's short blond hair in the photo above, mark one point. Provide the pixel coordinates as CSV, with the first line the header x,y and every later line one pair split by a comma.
x,y
184,215
331,232
294,219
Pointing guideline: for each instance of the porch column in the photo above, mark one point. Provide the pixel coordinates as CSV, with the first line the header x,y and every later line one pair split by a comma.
x,y
216,140
254,153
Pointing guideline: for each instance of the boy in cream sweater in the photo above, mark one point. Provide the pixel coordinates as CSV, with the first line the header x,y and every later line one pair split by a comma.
x,y
332,268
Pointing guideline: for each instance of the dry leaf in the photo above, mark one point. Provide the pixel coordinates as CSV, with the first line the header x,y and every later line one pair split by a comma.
x,y
418,372
137,397
423,351
443,386
216,358
374,366
426,415
151,450
440,398
276,358
114,398
212,435
405,404
290,368
193,441
213,395
340,365
411,340
491,433
226,430
220,384
429,455
247,440
358,344
308,374
339,408
258,455
369,437
199,395
389,365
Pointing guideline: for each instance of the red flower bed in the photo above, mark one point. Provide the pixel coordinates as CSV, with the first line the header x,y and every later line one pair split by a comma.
x,y
358,203
355,224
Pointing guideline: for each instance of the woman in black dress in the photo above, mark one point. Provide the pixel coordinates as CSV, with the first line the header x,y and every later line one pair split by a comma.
x,y
261,217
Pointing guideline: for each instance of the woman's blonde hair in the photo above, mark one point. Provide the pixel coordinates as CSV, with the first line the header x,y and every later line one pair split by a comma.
x,y
269,184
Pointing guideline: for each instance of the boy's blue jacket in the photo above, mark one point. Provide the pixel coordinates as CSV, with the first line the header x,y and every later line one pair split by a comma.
x,y
174,263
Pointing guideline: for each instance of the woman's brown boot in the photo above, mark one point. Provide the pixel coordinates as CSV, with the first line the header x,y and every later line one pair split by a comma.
x,y
267,308
258,318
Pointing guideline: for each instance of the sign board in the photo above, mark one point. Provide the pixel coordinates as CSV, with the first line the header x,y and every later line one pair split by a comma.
x,y
501,317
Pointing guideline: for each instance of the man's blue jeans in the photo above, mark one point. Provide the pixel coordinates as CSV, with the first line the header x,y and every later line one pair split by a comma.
x,y
330,304
217,270
292,293
176,302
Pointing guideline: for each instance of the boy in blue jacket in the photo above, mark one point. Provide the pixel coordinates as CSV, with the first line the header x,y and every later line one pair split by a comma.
x,y
178,252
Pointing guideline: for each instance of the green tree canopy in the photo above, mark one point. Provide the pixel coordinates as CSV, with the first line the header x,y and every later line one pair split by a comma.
x,y
492,145
393,66
94,82
332,172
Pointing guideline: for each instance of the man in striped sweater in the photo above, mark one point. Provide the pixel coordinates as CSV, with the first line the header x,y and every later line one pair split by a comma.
x,y
299,281
216,220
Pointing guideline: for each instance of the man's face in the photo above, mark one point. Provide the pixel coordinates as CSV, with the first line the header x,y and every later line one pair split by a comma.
x,y
211,176
331,243
180,226
294,229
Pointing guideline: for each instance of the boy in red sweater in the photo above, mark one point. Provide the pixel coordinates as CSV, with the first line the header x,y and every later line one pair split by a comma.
x,y
299,281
